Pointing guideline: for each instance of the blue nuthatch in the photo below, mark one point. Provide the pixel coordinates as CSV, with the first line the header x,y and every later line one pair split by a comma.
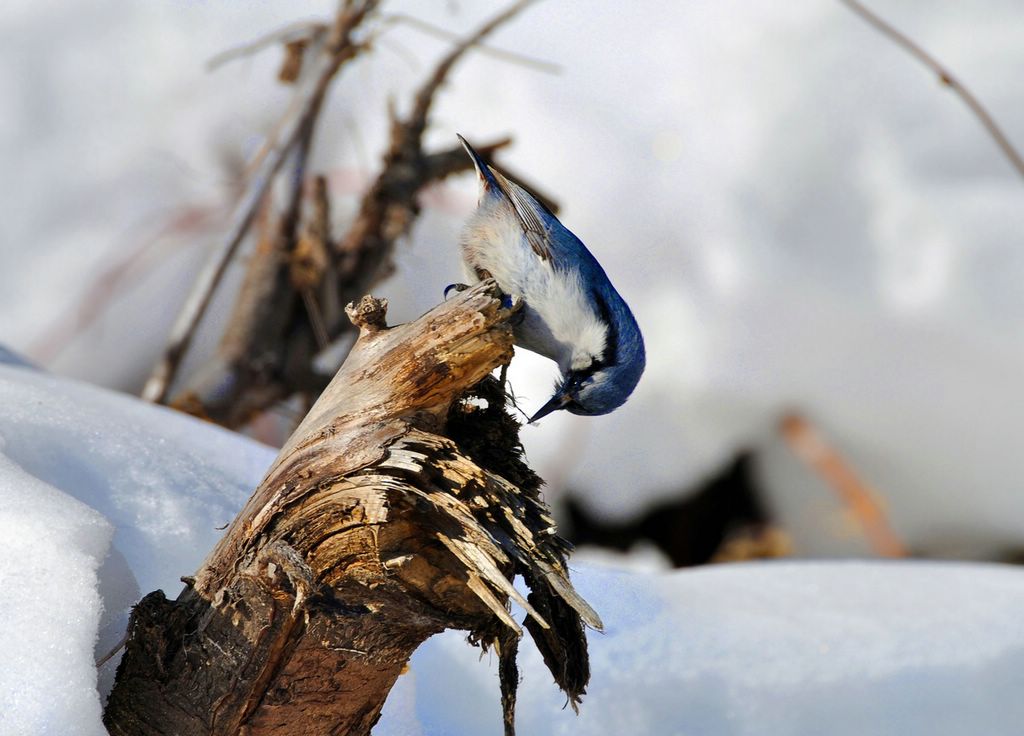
x,y
571,313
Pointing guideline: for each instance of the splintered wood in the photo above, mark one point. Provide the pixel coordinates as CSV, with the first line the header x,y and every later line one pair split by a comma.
x,y
396,510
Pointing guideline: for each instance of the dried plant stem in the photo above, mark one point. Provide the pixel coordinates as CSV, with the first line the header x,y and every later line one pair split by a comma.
x,y
302,30
289,306
510,56
339,49
946,77
811,447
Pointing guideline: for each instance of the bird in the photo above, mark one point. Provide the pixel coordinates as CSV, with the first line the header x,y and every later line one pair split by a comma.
x,y
571,313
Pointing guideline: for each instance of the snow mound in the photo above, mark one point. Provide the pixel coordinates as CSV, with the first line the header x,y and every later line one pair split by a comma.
x,y
163,481
769,648
49,605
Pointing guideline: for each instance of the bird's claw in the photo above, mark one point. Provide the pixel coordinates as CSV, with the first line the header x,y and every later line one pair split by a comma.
x,y
514,305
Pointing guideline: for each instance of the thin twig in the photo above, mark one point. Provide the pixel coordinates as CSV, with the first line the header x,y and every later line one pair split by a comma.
x,y
316,319
112,282
309,259
512,56
301,30
339,48
946,77
117,648
399,50
425,97
390,206
810,446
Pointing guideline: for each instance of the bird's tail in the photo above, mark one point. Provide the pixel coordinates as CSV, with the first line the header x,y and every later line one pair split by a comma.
x,y
483,169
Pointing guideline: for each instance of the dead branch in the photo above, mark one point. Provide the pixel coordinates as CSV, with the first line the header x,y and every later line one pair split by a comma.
x,y
276,326
338,48
811,447
946,77
393,512
303,31
390,207
504,54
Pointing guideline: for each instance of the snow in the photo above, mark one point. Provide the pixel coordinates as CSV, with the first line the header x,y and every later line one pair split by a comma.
x,y
50,606
87,469
767,648
139,466
103,498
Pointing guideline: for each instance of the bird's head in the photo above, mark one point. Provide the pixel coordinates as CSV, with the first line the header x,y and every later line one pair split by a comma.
x,y
601,387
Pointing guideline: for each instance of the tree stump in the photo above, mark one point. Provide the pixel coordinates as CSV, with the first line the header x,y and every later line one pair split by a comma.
x,y
400,507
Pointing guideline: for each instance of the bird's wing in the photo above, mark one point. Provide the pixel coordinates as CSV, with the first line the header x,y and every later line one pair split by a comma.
x,y
528,211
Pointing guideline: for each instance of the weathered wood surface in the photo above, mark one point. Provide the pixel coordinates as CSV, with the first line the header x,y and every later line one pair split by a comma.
x,y
396,510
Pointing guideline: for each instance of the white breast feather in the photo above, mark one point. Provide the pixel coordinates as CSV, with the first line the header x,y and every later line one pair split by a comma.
x,y
575,335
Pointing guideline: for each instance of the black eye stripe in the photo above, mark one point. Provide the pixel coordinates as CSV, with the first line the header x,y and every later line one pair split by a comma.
x,y
611,342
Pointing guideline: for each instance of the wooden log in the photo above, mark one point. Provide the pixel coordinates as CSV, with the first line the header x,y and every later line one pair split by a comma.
x,y
397,509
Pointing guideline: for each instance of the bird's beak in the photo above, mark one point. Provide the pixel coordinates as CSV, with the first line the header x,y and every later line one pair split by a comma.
x,y
558,401
483,169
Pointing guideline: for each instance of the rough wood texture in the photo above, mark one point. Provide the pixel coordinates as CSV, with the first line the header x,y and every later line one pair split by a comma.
x,y
372,531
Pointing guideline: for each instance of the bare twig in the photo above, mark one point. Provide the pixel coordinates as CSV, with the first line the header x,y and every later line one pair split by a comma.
x,y
389,207
339,48
300,31
115,279
425,98
116,648
309,259
511,56
946,77
810,446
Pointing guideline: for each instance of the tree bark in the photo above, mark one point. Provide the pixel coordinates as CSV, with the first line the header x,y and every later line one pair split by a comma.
x,y
372,531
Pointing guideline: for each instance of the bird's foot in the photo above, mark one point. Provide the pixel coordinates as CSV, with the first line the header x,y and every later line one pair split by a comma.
x,y
514,305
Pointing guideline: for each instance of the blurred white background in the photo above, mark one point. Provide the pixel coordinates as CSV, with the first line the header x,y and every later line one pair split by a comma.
x,y
799,214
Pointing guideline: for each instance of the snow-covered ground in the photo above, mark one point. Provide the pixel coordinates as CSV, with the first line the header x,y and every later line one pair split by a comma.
x,y
102,496
801,649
